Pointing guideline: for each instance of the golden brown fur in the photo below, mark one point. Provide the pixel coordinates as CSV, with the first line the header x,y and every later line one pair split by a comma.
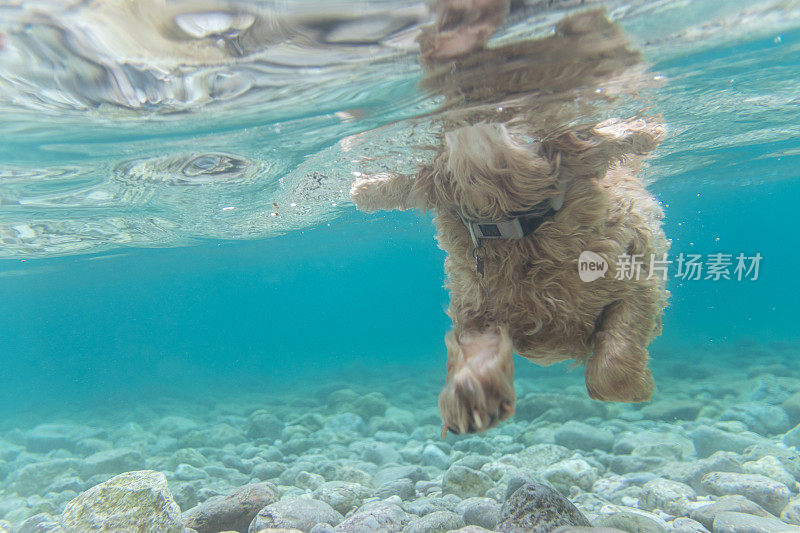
x,y
531,300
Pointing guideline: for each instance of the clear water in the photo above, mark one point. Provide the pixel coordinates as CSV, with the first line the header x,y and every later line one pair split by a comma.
x,y
143,269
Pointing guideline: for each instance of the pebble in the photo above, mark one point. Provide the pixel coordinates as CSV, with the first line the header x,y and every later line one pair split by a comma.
x,y
571,472
128,502
579,436
465,482
708,440
342,495
732,522
672,497
630,519
375,516
705,514
771,495
294,512
434,456
537,508
484,512
791,513
687,525
435,522
233,512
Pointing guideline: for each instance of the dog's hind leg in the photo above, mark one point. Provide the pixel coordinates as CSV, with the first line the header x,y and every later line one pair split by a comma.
x,y
479,391
618,369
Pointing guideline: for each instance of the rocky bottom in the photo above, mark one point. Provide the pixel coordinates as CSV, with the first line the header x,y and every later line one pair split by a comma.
x,y
716,450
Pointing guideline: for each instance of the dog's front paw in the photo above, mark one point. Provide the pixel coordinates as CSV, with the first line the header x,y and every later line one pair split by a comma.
x,y
479,392
365,193
472,402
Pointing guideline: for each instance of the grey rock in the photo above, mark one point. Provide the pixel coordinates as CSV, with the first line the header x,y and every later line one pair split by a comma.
x,y
789,457
46,437
432,455
732,522
380,453
263,425
309,480
391,473
375,516
624,464
268,470
474,445
791,513
70,483
672,497
404,488
40,523
189,456
133,501
630,519
423,506
517,480
484,512
570,529
579,436
770,494
568,473
759,417
233,512
792,437
558,407
671,411
465,482
687,525
692,473
33,477
186,472
342,495
537,508
435,522
708,440
90,445
706,514
295,513
771,467
346,423
536,458
473,461
792,407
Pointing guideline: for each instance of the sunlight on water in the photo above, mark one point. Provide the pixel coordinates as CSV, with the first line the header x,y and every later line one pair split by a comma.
x,y
152,123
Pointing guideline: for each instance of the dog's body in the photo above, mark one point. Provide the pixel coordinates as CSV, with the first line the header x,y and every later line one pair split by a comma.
x,y
530,298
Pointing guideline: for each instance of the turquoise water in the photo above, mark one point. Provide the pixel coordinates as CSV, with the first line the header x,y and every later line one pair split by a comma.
x,y
121,293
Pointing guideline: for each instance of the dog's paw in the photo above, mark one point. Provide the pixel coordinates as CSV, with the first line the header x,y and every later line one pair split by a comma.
x,y
472,402
479,392
364,191
618,383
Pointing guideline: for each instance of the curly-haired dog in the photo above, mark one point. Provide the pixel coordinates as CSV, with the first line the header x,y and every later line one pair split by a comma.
x,y
516,203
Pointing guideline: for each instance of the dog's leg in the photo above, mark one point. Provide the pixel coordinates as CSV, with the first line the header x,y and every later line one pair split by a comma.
x,y
618,369
383,192
479,391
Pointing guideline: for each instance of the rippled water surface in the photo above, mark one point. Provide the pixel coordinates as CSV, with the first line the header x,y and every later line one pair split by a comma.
x,y
152,123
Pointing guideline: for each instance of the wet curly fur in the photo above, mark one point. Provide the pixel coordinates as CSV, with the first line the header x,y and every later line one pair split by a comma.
x,y
532,301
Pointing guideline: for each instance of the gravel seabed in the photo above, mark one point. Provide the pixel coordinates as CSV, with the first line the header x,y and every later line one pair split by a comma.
x,y
716,450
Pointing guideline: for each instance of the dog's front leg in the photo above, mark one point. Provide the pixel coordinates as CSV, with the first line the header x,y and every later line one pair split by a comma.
x,y
479,391
382,192
618,370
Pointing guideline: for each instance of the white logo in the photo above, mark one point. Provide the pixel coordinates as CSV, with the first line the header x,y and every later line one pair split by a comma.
x,y
591,266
